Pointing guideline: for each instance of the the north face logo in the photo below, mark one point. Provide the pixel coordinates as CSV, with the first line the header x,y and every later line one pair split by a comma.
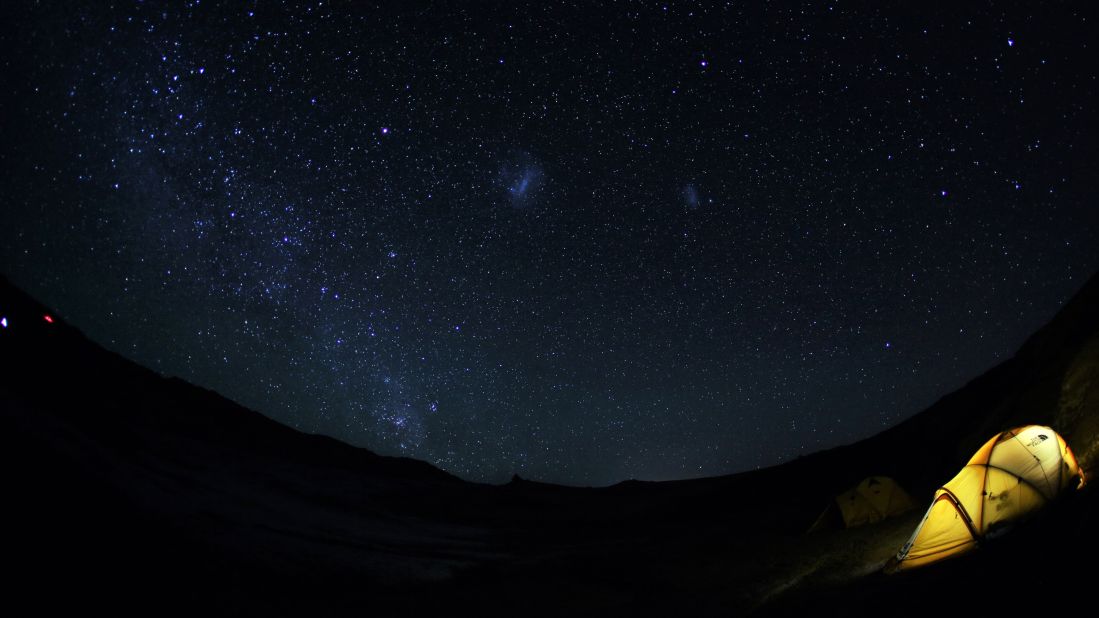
x,y
1040,438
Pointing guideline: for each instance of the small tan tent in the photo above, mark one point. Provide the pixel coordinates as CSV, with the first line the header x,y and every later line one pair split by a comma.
x,y
872,500
1014,474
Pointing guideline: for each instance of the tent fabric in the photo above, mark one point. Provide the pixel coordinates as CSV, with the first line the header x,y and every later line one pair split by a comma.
x,y
1012,475
872,500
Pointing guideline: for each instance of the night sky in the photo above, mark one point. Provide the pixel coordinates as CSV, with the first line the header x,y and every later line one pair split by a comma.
x,y
581,244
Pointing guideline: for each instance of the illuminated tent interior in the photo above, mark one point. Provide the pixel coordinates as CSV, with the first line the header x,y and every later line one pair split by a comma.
x,y
1013,475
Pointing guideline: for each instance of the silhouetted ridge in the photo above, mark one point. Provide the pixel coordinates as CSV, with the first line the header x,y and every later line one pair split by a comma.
x,y
117,474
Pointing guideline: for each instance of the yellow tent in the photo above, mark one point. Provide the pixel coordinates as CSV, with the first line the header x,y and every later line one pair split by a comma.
x,y
872,500
1014,474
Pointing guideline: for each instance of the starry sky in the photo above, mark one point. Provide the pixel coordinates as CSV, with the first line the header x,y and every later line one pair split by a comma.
x,y
582,243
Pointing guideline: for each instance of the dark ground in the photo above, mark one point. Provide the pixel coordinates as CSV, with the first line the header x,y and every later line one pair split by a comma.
x,y
129,492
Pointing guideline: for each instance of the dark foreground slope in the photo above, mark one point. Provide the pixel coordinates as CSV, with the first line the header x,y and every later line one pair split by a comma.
x,y
129,491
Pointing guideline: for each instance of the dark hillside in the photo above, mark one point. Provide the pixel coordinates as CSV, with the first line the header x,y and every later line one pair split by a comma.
x,y
141,493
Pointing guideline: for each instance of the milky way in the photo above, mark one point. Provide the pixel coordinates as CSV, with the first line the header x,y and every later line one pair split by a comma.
x,y
579,243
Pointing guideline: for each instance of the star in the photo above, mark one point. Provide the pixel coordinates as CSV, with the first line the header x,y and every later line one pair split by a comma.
x,y
582,208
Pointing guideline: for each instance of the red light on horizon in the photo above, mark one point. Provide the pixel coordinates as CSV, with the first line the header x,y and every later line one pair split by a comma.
x,y
48,318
